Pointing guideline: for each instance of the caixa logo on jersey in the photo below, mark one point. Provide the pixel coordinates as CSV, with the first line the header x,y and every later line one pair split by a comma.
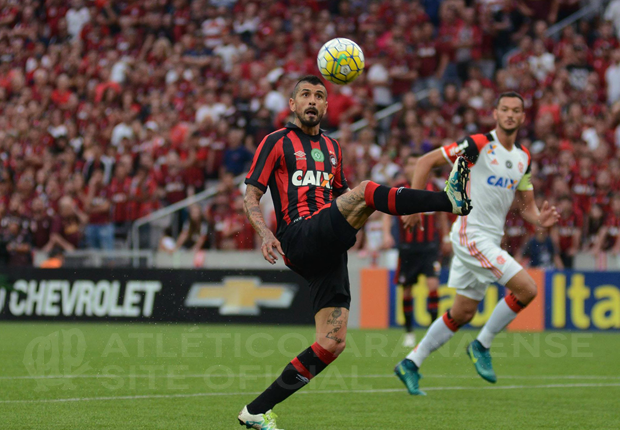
x,y
311,177
57,297
498,181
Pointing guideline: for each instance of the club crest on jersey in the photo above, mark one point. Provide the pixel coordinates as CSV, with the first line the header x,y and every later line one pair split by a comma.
x,y
509,164
317,155
300,155
310,177
332,159
520,166
498,181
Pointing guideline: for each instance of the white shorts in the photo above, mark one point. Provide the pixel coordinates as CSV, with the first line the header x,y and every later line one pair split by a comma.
x,y
478,264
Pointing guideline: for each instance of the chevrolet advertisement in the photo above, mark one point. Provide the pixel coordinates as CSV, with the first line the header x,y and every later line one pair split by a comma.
x,y
221,296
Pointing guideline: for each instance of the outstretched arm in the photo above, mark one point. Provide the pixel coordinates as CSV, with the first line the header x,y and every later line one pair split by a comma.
x,y
251,204
546,217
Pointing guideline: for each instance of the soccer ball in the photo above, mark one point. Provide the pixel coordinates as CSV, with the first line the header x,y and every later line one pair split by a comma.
x,y
340,61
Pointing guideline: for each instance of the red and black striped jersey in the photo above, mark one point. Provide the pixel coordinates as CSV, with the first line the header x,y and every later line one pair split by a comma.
x,y
410,239
302,172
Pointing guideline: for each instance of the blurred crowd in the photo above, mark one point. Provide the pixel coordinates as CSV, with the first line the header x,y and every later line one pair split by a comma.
x,y
111,110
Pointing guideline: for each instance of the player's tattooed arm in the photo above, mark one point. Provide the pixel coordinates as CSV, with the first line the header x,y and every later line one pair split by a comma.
x,y
251,205
336,321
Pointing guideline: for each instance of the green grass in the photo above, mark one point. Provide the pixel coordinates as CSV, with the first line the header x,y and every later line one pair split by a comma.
x,y
552,380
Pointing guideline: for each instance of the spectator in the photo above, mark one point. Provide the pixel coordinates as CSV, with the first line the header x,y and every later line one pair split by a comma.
x,y
17,244
237,158
40,223
195,231
540,251
66,232
97,204
608,237
612,78
566,234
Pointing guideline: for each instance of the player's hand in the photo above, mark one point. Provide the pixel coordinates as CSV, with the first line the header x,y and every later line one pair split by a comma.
x,y
548,215
269,243
411,221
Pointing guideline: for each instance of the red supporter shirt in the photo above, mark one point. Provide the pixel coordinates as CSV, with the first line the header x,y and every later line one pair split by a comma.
x,y
567,227
583,191
516,231
119,196
175,186
612,222
428,58
100,196
302,172
68,229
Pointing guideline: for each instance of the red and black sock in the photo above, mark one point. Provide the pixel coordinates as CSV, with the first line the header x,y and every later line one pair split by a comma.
x,y
514,303
433,304
408,312
295,375
405,201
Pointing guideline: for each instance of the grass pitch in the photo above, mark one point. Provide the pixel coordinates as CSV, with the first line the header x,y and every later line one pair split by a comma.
x,y
118,376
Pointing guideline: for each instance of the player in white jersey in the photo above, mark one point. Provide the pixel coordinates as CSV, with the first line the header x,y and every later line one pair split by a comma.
x,y
500,172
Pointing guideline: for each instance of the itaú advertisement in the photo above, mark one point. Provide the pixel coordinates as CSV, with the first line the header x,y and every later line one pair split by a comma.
x,y
582,300
566,300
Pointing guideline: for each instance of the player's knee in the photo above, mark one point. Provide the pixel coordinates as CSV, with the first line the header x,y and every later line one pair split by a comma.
x,y
335,347
529,292
362,186
462,316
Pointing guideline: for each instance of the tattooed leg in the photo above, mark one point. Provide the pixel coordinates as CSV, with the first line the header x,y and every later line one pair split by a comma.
x,y
331,328
353,207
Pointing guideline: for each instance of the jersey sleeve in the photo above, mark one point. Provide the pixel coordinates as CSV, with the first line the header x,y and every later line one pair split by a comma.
x,y
469,148
266,160
340,182
525,184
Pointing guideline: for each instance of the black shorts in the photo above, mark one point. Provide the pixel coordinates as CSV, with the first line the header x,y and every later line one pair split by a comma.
x,y
415,262
316,248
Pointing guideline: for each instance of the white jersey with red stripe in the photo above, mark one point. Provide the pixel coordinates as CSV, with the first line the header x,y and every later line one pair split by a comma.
x,y
496,174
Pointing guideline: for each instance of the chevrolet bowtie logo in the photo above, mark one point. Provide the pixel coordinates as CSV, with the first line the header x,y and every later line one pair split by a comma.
x,y
240,295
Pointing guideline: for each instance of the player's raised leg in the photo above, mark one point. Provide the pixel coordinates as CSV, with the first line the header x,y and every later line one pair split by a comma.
x,y
359,203
438,334
522,291
331,333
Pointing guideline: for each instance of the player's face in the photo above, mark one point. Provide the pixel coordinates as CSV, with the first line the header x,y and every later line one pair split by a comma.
x,y
509,114
310,104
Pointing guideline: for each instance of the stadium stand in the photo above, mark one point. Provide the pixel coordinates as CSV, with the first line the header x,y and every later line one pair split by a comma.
x,y
110,110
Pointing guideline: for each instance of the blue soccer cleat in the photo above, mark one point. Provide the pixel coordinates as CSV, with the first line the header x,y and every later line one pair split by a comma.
x,y
407,372
481,357
456,187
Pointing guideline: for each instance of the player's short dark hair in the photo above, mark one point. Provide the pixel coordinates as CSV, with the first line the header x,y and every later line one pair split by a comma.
x,y
311,79
510,94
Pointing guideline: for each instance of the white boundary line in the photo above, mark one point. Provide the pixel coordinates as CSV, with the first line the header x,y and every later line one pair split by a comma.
x,y
244,393
269,375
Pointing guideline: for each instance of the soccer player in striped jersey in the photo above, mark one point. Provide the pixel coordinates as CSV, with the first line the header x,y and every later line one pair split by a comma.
x,y
418,254
318,217
500,172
